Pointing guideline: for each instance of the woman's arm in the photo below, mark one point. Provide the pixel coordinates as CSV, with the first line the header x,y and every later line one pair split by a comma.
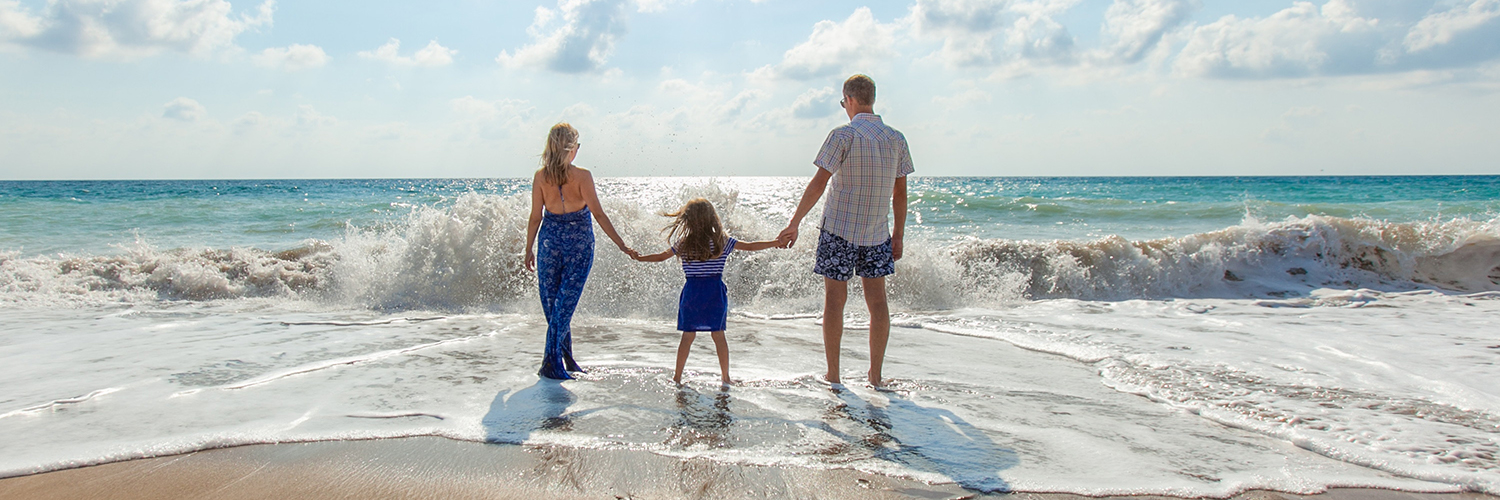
x,y
656,257
592,199
751,246
534,222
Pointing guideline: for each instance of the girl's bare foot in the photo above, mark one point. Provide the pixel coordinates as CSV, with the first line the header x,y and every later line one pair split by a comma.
x,y
677,379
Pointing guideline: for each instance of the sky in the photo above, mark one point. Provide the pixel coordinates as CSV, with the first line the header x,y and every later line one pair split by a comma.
x,y
208,89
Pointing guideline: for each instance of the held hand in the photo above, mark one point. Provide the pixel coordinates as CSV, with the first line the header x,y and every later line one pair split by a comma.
x,y
788,237
530,261
896,248
634,255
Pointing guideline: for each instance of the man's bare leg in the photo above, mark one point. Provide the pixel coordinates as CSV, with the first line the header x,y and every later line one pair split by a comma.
x,y
835,293
880,326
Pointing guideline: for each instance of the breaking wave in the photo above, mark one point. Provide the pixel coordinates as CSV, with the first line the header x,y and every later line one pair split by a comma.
x,y
467,256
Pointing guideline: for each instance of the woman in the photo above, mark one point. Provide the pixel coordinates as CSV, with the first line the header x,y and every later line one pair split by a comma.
x,y
562,201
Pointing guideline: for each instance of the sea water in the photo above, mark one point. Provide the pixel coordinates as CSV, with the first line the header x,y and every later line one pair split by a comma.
x,y
1187,336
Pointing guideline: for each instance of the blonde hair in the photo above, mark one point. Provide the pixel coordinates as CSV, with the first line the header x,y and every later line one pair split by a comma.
x,y
702,235
560,140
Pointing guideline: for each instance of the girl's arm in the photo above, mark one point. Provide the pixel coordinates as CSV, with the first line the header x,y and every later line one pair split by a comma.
x,y
592,199
534,222
751,246
656,257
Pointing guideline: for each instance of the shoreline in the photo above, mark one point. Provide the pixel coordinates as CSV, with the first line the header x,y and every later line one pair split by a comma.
x,y
435,467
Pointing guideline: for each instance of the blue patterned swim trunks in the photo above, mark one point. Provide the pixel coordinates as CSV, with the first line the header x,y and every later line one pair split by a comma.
x,y
840,260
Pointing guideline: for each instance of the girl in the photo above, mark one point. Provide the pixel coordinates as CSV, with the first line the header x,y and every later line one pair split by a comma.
x,y
562,200
704,306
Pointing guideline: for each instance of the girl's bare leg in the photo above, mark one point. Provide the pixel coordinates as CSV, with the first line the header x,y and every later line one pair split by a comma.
x,y
722,345
682,352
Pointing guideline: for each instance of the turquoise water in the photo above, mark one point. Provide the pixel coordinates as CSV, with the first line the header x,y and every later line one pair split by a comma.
x,y
99,217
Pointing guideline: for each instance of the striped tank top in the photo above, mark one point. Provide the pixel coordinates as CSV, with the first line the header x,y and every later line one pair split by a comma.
x,y
707,268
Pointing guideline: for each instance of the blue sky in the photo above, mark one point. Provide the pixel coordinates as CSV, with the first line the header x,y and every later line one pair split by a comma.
x,y
108,89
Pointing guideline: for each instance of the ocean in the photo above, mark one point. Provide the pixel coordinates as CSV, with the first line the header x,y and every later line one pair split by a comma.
x,y
1194,336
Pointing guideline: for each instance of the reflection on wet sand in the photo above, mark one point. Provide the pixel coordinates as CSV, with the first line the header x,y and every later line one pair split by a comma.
x,y
702,420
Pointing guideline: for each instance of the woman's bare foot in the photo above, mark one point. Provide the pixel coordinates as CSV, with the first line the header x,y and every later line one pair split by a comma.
x,y
832,378
879,383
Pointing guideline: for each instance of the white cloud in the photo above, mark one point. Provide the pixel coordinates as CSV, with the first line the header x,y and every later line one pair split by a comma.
x,y
815,103
989,33
835,48
1293,42
16,22
127,29
659,5
432,55
1137,26
308,117
1443,27
295,57
703,100
582,43
1344,37
249,122
184,109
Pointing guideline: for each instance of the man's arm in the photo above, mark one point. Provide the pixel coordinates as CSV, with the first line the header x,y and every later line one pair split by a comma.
x,y
898,208
810,196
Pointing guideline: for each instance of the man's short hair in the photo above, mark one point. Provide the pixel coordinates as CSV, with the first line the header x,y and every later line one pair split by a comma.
x,y
861,88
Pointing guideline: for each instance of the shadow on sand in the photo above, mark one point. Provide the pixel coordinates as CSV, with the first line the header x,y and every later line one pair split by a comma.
x,y
924,439
543,406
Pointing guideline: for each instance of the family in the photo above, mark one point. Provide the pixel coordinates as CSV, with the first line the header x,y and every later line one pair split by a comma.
x,y
862,166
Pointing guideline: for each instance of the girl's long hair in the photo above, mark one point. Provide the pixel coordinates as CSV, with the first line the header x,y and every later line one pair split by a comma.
x,y
560,140
697,231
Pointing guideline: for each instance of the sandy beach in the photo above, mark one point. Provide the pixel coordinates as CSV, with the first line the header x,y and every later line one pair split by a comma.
x,y
429,467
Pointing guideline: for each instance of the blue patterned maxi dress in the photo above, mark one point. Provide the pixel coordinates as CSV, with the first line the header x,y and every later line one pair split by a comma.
x,y
565,253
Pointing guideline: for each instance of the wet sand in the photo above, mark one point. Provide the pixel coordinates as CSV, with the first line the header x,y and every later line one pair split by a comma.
x,y
430,467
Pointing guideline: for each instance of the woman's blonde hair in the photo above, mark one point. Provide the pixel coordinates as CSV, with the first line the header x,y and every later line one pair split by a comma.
x,y
560,140
702,236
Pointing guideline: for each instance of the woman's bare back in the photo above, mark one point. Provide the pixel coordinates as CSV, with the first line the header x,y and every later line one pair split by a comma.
x,y
567,200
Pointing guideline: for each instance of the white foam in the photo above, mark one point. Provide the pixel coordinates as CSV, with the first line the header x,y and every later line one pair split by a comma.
x,y
465,256
965,406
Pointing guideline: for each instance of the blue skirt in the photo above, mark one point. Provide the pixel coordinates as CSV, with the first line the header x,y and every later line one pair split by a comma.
x,y
704,306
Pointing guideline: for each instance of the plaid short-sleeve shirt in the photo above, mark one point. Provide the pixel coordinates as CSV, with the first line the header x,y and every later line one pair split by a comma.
x,y
865,158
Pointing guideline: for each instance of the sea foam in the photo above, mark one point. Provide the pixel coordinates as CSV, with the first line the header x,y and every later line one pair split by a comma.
x,y
467,256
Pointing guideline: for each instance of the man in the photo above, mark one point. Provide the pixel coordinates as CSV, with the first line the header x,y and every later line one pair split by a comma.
x,y
868,163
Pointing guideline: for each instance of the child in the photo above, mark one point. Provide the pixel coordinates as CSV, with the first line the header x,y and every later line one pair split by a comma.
x,y
702,246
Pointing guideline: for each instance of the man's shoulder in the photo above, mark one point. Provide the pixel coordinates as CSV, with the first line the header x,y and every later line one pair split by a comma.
x,y
843,130
877,126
